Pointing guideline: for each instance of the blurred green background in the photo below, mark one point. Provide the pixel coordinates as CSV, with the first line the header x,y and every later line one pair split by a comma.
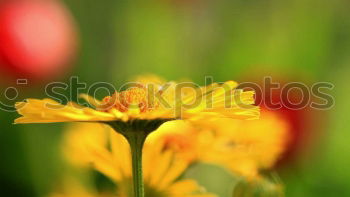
x,y
227,39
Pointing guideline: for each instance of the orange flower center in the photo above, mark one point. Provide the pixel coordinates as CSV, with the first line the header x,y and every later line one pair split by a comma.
x,y
177,142
181,144
136,97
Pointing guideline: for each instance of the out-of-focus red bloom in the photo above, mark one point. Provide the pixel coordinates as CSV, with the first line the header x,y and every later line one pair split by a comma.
x,y
37,38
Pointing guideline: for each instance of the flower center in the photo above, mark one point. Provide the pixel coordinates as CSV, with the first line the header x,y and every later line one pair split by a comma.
x,y
133,98
180,143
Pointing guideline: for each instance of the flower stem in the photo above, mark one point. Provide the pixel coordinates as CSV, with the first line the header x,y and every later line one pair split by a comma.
x,y
136,132
136,141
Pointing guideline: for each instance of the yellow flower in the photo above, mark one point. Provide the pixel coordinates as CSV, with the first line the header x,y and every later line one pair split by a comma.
x,y
161,170
81,139
180,137
140,103
246,148
243,147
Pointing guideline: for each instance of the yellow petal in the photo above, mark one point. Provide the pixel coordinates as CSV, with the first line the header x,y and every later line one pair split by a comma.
x,y
47,110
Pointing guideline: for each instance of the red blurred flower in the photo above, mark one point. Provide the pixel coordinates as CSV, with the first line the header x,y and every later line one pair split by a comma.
x,y
37,38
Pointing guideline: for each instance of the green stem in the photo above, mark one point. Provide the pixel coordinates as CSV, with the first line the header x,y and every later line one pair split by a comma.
x,y
136,140
136,131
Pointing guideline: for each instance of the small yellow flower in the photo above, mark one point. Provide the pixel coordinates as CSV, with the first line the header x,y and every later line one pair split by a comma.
x,y
180,137
161,170
243,147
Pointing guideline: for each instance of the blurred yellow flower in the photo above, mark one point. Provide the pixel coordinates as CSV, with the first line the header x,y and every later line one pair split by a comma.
x,y
242,147
109,153
245,148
